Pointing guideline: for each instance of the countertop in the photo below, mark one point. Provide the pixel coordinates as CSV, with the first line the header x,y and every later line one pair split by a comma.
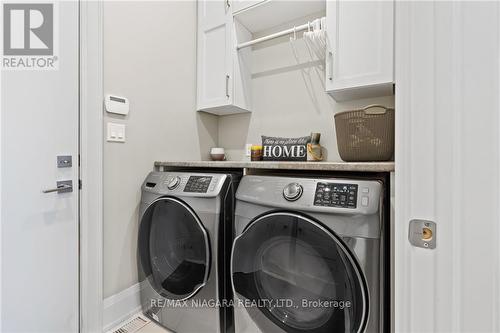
x,y
314,166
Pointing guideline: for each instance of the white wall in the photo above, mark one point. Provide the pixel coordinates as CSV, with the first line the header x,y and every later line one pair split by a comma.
x,y
149,57
288,99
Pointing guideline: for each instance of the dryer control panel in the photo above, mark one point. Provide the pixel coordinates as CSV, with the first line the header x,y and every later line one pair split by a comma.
x,y
336,195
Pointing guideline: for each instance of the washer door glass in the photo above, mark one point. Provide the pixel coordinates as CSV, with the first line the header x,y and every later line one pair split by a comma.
x,y
173,249
300,275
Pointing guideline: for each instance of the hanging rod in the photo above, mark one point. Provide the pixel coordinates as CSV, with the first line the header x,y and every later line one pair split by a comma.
x,y
276,35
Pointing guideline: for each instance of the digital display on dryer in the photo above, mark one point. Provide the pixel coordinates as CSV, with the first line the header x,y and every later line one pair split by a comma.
x,y
336,195
198,184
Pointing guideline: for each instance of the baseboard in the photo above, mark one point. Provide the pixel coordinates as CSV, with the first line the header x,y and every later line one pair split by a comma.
x,y
122,306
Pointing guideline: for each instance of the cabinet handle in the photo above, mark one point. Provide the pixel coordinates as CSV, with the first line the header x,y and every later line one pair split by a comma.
x,y
227,86
228,4
330,76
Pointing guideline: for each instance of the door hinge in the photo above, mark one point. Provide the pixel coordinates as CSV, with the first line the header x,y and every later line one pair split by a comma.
x,y
79,184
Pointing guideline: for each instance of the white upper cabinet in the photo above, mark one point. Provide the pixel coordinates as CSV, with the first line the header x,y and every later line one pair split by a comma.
x,y
360,51
223,82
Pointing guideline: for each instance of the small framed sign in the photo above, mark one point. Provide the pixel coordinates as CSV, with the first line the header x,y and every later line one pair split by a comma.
x,y
285,149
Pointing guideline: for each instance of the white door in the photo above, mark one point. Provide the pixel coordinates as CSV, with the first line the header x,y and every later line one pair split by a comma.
x,y
39,231
448,165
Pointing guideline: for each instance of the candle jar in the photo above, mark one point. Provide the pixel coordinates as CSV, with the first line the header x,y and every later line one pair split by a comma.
x,y
256,153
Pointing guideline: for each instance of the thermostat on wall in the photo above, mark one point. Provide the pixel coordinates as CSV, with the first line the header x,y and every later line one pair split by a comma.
x,y
116,104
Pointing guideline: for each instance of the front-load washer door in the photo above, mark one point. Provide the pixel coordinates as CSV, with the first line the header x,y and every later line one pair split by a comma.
x,y
292,274
174,249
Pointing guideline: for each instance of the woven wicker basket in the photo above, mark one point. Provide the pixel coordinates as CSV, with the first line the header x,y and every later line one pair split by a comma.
x,y
365,135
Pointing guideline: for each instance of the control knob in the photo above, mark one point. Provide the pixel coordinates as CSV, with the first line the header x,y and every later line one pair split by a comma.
x,y
174,182
292,191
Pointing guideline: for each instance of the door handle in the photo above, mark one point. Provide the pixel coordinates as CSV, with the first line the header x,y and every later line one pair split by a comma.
x,y
227,86
63,186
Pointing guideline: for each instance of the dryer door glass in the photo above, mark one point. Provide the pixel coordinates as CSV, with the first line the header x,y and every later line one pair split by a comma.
x,y
174,249
300,275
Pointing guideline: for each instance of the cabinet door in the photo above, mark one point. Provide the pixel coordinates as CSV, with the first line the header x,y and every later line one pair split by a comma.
x,y
214,57
360,48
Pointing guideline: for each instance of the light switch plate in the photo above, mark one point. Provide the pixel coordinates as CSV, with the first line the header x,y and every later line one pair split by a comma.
x,y
116,132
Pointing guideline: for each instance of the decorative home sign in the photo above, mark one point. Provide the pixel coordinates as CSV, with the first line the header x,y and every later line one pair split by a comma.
x,y
285,149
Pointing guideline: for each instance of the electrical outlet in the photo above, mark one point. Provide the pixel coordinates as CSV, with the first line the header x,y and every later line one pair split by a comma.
x,y
248,149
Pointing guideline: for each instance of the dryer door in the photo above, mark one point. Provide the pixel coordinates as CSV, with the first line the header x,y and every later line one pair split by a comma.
x,y
174,249
295,275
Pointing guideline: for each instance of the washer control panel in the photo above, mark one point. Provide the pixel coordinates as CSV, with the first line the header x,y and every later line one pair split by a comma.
x,y
198,184
336,195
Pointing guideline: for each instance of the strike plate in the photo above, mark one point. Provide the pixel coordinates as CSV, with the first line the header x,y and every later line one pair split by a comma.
x,y
422,233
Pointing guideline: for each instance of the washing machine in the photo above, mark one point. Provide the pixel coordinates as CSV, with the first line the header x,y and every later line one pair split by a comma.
x,y
308,255
185,233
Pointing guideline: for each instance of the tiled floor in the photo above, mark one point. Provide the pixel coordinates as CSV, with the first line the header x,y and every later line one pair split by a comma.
x,y
152,328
